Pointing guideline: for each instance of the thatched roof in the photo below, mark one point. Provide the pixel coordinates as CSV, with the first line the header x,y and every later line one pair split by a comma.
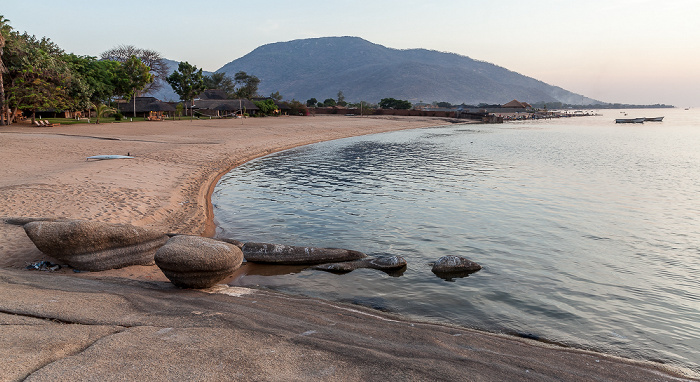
x,y
224,104
514,104
212,94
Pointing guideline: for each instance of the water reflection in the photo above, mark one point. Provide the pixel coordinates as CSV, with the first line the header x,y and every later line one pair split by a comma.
x,y
588,234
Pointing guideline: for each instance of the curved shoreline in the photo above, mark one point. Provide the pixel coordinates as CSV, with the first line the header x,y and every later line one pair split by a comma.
x,y
169,186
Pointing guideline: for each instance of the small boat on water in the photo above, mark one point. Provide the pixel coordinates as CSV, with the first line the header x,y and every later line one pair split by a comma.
x,y
655,119
630,120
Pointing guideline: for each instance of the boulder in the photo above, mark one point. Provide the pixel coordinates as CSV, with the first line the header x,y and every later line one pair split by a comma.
x,y
454,266
95,246
386,264
291,255
197,262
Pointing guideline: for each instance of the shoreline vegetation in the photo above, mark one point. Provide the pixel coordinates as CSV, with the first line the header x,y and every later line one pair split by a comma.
x,y
90,317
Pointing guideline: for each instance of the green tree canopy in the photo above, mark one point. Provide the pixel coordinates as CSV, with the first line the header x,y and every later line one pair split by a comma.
x,y
187,81
221,81
311,102
267,107
152,59
391,103
132,77
5,30
36,76
100,76
276,96
328,102
248,85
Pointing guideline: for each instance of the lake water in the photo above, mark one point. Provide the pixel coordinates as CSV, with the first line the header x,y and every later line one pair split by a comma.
x,y
588,231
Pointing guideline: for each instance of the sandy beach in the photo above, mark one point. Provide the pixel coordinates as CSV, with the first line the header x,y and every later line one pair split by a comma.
x,y
131,323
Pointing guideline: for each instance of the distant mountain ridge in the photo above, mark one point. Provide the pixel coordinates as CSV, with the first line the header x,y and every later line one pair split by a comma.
x,y
364,71
320,67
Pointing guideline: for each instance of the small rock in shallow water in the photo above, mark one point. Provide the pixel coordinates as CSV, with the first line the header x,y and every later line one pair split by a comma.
x,y
291,255
386,264
454,266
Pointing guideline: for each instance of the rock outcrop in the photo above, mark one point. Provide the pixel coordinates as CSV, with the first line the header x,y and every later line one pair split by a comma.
x,y
454,266
197,262
291,255
386,264
95,246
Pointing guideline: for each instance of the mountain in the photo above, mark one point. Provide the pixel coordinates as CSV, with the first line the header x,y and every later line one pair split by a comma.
x,y
320,67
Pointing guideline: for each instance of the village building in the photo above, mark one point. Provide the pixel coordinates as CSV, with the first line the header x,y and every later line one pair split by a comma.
x,y
146,107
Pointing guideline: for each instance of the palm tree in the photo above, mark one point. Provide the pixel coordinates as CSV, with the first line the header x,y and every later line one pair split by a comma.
x,y
101,110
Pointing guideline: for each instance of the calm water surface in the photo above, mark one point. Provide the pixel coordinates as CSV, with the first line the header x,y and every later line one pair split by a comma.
x,y
588,231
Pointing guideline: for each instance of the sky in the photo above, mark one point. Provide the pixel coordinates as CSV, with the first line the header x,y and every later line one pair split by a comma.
x,y
626,51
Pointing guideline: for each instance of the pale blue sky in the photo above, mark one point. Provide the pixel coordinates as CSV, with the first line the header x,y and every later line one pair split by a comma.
x,y
630,51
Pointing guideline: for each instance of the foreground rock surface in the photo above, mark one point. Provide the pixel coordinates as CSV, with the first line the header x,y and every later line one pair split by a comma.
x,y
386,264
197,262
291,255
95,246
61,328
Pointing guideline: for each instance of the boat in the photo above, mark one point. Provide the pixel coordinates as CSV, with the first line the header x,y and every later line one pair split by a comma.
x,y
655,119
630,120
103,157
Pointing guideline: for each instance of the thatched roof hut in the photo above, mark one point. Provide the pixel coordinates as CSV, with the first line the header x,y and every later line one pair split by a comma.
x,y
515,104
144,107
217,107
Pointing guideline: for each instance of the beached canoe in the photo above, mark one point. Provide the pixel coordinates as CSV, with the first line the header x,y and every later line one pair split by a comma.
x,y
102,157
654,119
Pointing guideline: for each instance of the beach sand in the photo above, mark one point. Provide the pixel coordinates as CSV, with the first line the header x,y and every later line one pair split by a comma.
x,y
63,324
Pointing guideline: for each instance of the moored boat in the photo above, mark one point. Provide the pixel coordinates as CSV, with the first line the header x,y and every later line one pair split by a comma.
x,y
630,120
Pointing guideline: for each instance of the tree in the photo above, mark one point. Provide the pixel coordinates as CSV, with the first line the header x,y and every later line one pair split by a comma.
x,y
222,82
328,102
276,96
297,108
187,81
152,59
101,110
341,99
267,107
311,102
248,85
133,76
5,30
100,77
391,103
37,77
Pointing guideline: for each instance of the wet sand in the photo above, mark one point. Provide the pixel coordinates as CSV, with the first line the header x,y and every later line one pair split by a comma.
x,y
167,186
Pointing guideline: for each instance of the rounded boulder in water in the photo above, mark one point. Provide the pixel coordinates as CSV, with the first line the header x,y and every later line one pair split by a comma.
x,y
454,265
197,262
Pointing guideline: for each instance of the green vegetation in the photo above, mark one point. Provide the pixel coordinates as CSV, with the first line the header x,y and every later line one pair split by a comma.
x,y
267,107
38,75
248,85
222,82
187,81
390,103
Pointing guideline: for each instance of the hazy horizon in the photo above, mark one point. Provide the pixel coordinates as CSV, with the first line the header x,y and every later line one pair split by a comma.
x,y
626,51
